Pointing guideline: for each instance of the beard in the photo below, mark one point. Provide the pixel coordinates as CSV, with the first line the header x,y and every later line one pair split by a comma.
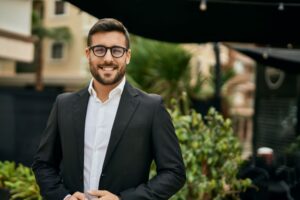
x,y
115,77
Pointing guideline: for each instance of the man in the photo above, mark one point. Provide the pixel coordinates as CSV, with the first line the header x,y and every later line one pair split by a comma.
x,y
101,140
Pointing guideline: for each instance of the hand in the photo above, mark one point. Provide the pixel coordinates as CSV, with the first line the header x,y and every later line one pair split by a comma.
x,y
104,195
77,196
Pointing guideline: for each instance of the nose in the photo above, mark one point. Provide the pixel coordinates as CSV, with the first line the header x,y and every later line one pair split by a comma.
x,y
108,57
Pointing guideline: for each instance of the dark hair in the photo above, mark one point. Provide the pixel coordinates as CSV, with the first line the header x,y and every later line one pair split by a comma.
x,y
107,25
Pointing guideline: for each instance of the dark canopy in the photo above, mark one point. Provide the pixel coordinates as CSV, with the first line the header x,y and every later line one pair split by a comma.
x,y
282,58
265,22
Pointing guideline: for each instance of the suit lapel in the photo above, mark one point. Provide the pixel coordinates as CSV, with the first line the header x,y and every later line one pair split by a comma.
x,y
127,106
79,113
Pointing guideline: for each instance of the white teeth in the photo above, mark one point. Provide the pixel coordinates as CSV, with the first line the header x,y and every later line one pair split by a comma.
x,y
107,69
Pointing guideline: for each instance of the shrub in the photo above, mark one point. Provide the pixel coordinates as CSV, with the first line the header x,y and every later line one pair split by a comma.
x,y
212,155
19,180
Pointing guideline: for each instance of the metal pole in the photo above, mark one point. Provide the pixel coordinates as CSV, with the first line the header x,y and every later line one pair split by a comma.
x,y
217,77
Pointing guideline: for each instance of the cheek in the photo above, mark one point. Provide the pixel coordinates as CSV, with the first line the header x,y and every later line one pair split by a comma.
x,y
93,62
123,68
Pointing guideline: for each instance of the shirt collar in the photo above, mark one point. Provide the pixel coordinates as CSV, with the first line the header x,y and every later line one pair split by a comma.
x,y
117,90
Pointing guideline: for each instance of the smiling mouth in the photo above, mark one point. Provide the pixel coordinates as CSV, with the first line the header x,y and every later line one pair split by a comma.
x,y
107,68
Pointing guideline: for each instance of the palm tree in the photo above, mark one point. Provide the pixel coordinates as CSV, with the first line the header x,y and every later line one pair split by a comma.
x,y
159,67
40,32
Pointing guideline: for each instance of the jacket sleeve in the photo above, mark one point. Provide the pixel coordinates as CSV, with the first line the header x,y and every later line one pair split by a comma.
x,y
47,160
168,159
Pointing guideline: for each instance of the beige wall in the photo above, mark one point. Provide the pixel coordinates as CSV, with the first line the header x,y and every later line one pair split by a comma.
x,y
15,32
7,68
16,50
15,16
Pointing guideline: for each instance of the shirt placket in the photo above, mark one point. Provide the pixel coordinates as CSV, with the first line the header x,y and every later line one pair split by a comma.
x,y
97,150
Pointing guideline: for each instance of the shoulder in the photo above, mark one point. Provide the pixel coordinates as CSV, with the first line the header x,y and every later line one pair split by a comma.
x,y
70,96
142,94
65,97
145,98
150,97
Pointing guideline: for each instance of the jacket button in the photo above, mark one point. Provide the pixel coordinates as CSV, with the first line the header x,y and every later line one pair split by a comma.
x,y
102,175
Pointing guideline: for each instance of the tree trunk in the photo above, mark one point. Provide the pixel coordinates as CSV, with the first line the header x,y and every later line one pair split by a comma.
x,y
204,170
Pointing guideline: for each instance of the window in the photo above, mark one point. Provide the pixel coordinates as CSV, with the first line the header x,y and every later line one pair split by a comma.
x,y
57,50
59,7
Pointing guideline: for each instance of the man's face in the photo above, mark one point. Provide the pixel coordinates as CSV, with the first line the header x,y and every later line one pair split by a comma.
x,y
108,70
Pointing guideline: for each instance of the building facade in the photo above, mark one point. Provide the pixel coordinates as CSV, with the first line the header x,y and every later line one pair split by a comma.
x,y
15,35
63,62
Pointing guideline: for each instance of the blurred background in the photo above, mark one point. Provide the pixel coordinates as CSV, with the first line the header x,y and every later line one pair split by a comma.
x,y
242,59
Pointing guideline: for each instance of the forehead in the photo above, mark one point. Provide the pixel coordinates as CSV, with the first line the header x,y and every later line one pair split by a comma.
x,y
108,39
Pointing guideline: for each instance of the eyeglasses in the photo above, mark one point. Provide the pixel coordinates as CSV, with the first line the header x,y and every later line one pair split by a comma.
x,y
100,51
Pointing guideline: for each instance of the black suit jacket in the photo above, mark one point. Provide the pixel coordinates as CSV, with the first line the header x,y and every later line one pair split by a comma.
x,y
142,132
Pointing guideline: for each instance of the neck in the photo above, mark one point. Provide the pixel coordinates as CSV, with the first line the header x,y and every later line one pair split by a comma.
x,y
103,90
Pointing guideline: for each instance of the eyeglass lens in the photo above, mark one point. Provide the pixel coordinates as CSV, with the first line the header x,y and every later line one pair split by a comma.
x,y
115,51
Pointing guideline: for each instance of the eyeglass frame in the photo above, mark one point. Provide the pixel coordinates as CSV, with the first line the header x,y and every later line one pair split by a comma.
x,y
108,48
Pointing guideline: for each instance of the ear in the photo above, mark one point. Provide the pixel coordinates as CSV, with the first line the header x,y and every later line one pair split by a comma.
x,y
128,56
87,52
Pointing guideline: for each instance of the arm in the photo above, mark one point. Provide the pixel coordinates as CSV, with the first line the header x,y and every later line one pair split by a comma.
x,y
170,167
47,160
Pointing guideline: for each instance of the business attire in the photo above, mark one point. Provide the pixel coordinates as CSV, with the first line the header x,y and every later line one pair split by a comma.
x,y
142,131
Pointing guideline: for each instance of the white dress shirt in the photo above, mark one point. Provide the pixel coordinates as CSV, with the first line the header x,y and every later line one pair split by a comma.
x,y
99,120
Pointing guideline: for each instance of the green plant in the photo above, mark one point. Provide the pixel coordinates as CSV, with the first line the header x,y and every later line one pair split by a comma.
x,y
211,153
159,67
19,180
293,146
